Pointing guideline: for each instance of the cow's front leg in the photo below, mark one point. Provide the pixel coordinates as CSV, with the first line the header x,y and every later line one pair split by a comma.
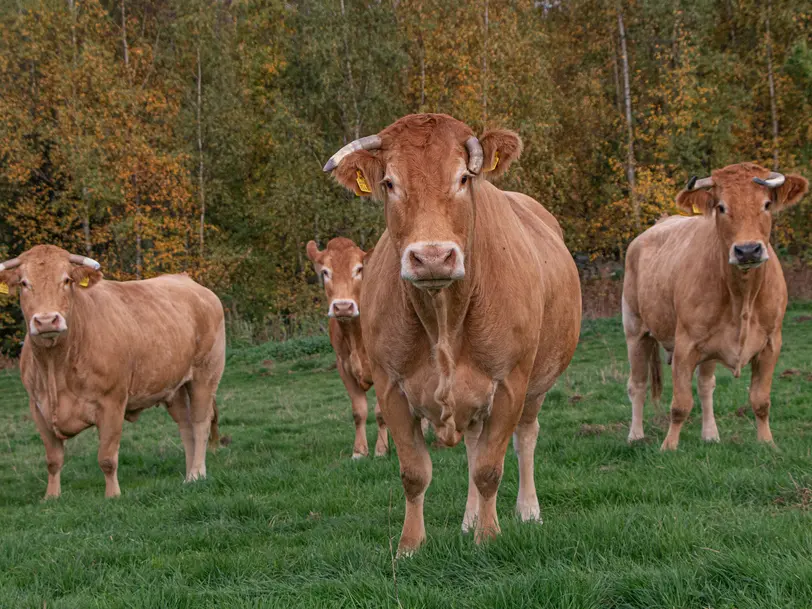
x,y
472,503
497,431
763,366
686,357
415,465
110,421
705,384
54,452
358,398
527,433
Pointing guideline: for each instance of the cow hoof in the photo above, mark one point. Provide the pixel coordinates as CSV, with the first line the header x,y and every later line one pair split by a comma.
x,y
711,436
529,513
195,476
51,497
468,523
356,456
483,535
381,453
408,547
635,436
669,445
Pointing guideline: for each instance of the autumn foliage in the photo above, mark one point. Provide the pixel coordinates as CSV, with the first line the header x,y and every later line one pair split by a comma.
x,y
167,135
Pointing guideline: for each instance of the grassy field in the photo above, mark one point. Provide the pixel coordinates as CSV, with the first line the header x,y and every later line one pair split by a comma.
x,y
287,519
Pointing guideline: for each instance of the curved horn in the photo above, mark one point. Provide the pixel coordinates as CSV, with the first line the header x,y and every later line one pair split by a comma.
x,y
694,184
76,259
475,155
774,180
10,264
370,142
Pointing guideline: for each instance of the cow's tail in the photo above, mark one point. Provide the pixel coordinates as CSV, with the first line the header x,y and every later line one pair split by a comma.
x,y
214,432
655,371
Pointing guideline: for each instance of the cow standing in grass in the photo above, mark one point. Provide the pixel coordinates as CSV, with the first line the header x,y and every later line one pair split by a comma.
x,y
341,266
98,352
709,289
471,306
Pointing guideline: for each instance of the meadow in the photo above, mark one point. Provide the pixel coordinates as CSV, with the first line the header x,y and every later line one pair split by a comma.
x,y
287,519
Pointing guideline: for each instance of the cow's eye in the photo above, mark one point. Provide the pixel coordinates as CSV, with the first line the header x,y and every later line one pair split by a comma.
x,y
722,208
389,184
464,180
67,281
325,273
767,205
25,283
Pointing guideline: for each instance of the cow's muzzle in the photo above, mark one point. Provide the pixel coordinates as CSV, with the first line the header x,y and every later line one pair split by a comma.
x,y
343,308
47,325
748,254
432,265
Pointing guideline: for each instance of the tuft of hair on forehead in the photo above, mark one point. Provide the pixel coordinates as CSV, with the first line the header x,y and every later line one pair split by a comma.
x,y
421,130
43,254
340,244
740,172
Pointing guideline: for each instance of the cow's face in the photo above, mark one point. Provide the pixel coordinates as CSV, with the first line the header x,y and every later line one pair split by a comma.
x,y
340,266
47,281
742,209
423,172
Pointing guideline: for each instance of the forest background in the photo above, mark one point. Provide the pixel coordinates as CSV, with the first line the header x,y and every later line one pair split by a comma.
x,y
188,135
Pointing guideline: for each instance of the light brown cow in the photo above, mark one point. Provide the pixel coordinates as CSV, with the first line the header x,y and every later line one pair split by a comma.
x,y
471,306
99,351
340,266
710,289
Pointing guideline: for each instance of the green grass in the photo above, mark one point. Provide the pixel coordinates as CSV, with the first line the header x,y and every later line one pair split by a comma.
x,y
287,519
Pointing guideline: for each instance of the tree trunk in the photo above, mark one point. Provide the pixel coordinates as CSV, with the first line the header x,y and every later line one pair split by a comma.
x,y
771,82
422,72
485,70
201,190
350,79
139,258
628,99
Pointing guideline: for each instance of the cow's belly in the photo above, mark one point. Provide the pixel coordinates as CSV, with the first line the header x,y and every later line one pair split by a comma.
x,y
472,393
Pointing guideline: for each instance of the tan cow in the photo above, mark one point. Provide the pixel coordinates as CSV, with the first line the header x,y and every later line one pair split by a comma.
x,y
471,304
709,289
340,266
99,351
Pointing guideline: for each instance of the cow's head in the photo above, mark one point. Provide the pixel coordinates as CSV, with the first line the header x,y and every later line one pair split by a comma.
x,y
47,278
425,168
340,266
741,199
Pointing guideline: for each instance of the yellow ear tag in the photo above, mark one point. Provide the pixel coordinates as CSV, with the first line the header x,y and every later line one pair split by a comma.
x,y
696,210
4,288
362,183
84,282
495,160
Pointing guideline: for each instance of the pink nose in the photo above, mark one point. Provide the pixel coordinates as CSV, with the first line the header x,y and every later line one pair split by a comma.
x,y
343,308
432,262
45,323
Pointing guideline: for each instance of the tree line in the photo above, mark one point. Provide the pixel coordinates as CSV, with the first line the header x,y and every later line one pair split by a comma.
x,y
188,135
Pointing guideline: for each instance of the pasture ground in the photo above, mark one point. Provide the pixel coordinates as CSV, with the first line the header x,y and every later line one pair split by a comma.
x,y
287,519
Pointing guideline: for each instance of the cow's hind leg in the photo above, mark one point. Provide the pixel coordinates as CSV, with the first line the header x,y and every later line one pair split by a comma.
x,y
705,384
686,358
54,452
110,421
358,398
178,408
527,433
382,443
642,350
202,417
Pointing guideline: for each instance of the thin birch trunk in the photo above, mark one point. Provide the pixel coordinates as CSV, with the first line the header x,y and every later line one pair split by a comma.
x,y
628,101
350,78
485,70
139,257
771,81
200,173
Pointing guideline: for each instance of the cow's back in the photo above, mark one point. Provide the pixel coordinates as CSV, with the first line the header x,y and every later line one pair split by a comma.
x,y
152,333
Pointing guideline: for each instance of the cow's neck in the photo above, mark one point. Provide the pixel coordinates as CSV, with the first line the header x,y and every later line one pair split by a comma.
x,y
743,288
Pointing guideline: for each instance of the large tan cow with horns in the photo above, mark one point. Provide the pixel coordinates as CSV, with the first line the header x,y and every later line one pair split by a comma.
x,y
99,351
471,306
710,290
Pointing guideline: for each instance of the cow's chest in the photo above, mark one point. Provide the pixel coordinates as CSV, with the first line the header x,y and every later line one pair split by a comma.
x,y
734,345
71,415
472,392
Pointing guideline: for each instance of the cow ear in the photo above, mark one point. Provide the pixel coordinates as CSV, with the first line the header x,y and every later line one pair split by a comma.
x,y
361,172
695,202
500,148
9,280
367,255
313,253
791,191
85,276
